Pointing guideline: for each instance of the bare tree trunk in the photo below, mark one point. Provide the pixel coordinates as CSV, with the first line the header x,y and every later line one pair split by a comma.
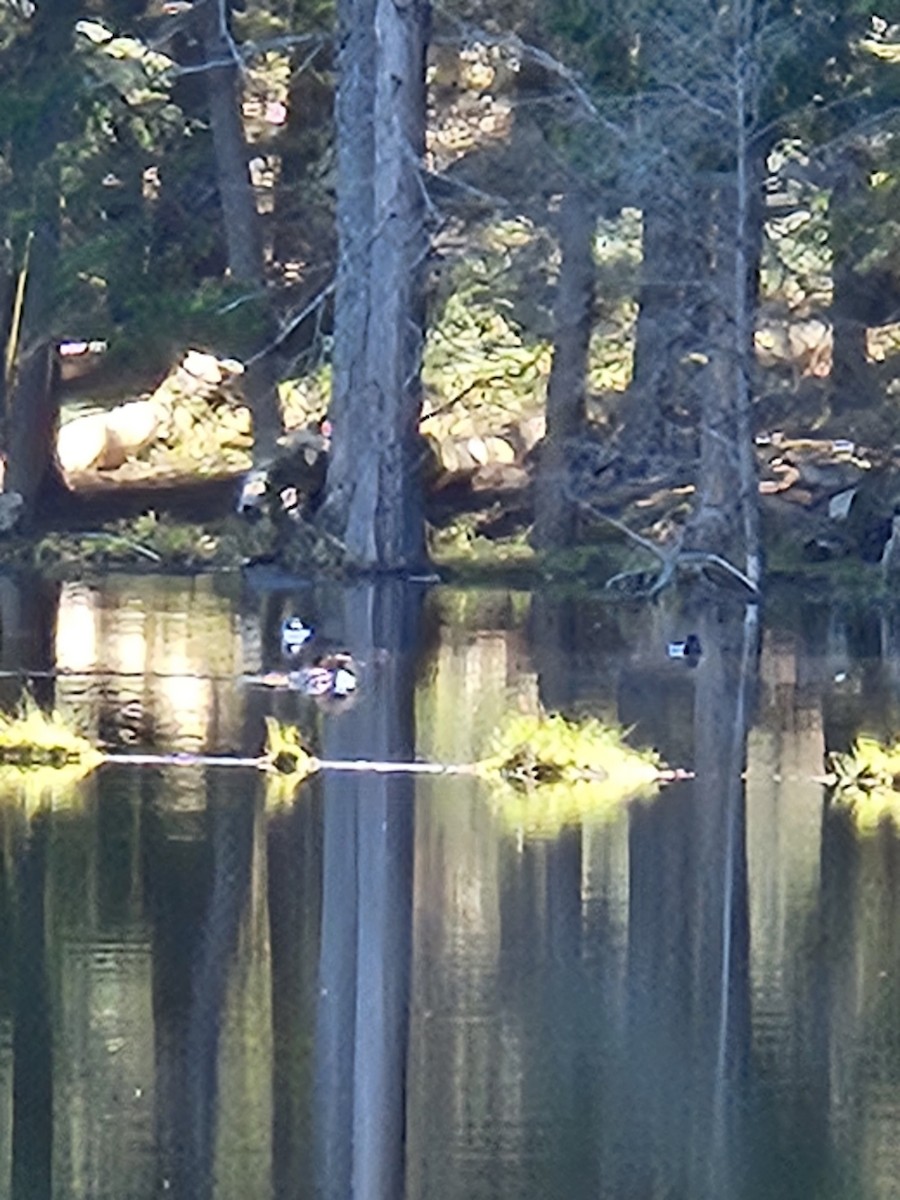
x,y
851,375
243,225
745,285
354,111
554,514
726,516
385,525
656,410
32,401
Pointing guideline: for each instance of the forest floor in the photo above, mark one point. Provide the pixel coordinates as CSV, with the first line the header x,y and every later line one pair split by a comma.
x,y
169,500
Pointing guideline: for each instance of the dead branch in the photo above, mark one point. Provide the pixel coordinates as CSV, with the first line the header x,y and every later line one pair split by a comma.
x,y
670,557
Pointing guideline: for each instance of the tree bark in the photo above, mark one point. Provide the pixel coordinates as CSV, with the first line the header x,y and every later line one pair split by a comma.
x,y
243,225
672,266
354,109
31,400
851,375
376,475
555,515
725,520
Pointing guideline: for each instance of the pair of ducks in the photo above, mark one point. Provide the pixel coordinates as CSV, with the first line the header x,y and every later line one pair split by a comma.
x,y
330,675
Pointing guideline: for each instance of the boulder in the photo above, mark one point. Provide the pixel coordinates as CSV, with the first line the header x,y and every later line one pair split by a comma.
x,y
104,440
81,442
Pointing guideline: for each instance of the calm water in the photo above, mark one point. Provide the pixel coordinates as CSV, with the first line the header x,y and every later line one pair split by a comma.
x,y
393,988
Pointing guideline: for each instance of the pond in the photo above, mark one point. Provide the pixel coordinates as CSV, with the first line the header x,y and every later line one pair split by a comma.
x,y
388,986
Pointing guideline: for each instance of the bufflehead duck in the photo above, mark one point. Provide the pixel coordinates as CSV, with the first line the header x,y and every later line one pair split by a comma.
x,y
295,634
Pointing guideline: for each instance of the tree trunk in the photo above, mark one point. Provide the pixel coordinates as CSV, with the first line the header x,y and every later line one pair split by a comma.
x,y
725,520
354,109
32,401
376,478
851,377
554,515
243,225
662,324
658,409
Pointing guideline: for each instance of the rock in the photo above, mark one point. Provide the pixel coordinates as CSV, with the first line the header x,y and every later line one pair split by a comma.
x,y
104,440
130,428
81,442
10,510
839,505
890,558
205,367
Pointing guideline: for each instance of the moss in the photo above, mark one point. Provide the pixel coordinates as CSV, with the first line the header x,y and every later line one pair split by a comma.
x,y
152,542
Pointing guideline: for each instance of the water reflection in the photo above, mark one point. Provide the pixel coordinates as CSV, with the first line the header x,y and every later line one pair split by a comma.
x,y
362,1025
382,989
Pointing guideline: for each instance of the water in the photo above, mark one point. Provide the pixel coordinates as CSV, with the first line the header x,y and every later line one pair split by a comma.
x,y
395,988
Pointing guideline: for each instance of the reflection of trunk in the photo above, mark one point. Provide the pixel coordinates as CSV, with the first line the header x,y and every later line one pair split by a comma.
x,y
363,1020
375,477
554,524
688,1005
232,837
32,1048
243,227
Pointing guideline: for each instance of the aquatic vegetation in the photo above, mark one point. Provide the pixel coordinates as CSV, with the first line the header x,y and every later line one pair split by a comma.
x,y
529,749
30,737
156,541
288,761
867,781
546,772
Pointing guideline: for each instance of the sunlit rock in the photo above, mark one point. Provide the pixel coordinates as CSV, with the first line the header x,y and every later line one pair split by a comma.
x,y
81,442
105,440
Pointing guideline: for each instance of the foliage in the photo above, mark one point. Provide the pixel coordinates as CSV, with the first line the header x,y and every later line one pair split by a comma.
x,y
458,544
867,781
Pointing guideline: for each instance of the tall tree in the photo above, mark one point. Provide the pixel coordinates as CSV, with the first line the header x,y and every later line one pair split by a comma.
x,y
726,512
40,92
374,497
554,512
243,226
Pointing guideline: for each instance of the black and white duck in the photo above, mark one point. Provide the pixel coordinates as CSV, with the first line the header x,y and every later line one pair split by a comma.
x,y
295,634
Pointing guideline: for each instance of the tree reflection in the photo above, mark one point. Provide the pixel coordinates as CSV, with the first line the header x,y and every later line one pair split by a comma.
x,y
688,1028
363,1017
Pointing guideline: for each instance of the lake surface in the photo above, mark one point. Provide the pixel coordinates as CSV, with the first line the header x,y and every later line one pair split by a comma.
x,y
393,987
